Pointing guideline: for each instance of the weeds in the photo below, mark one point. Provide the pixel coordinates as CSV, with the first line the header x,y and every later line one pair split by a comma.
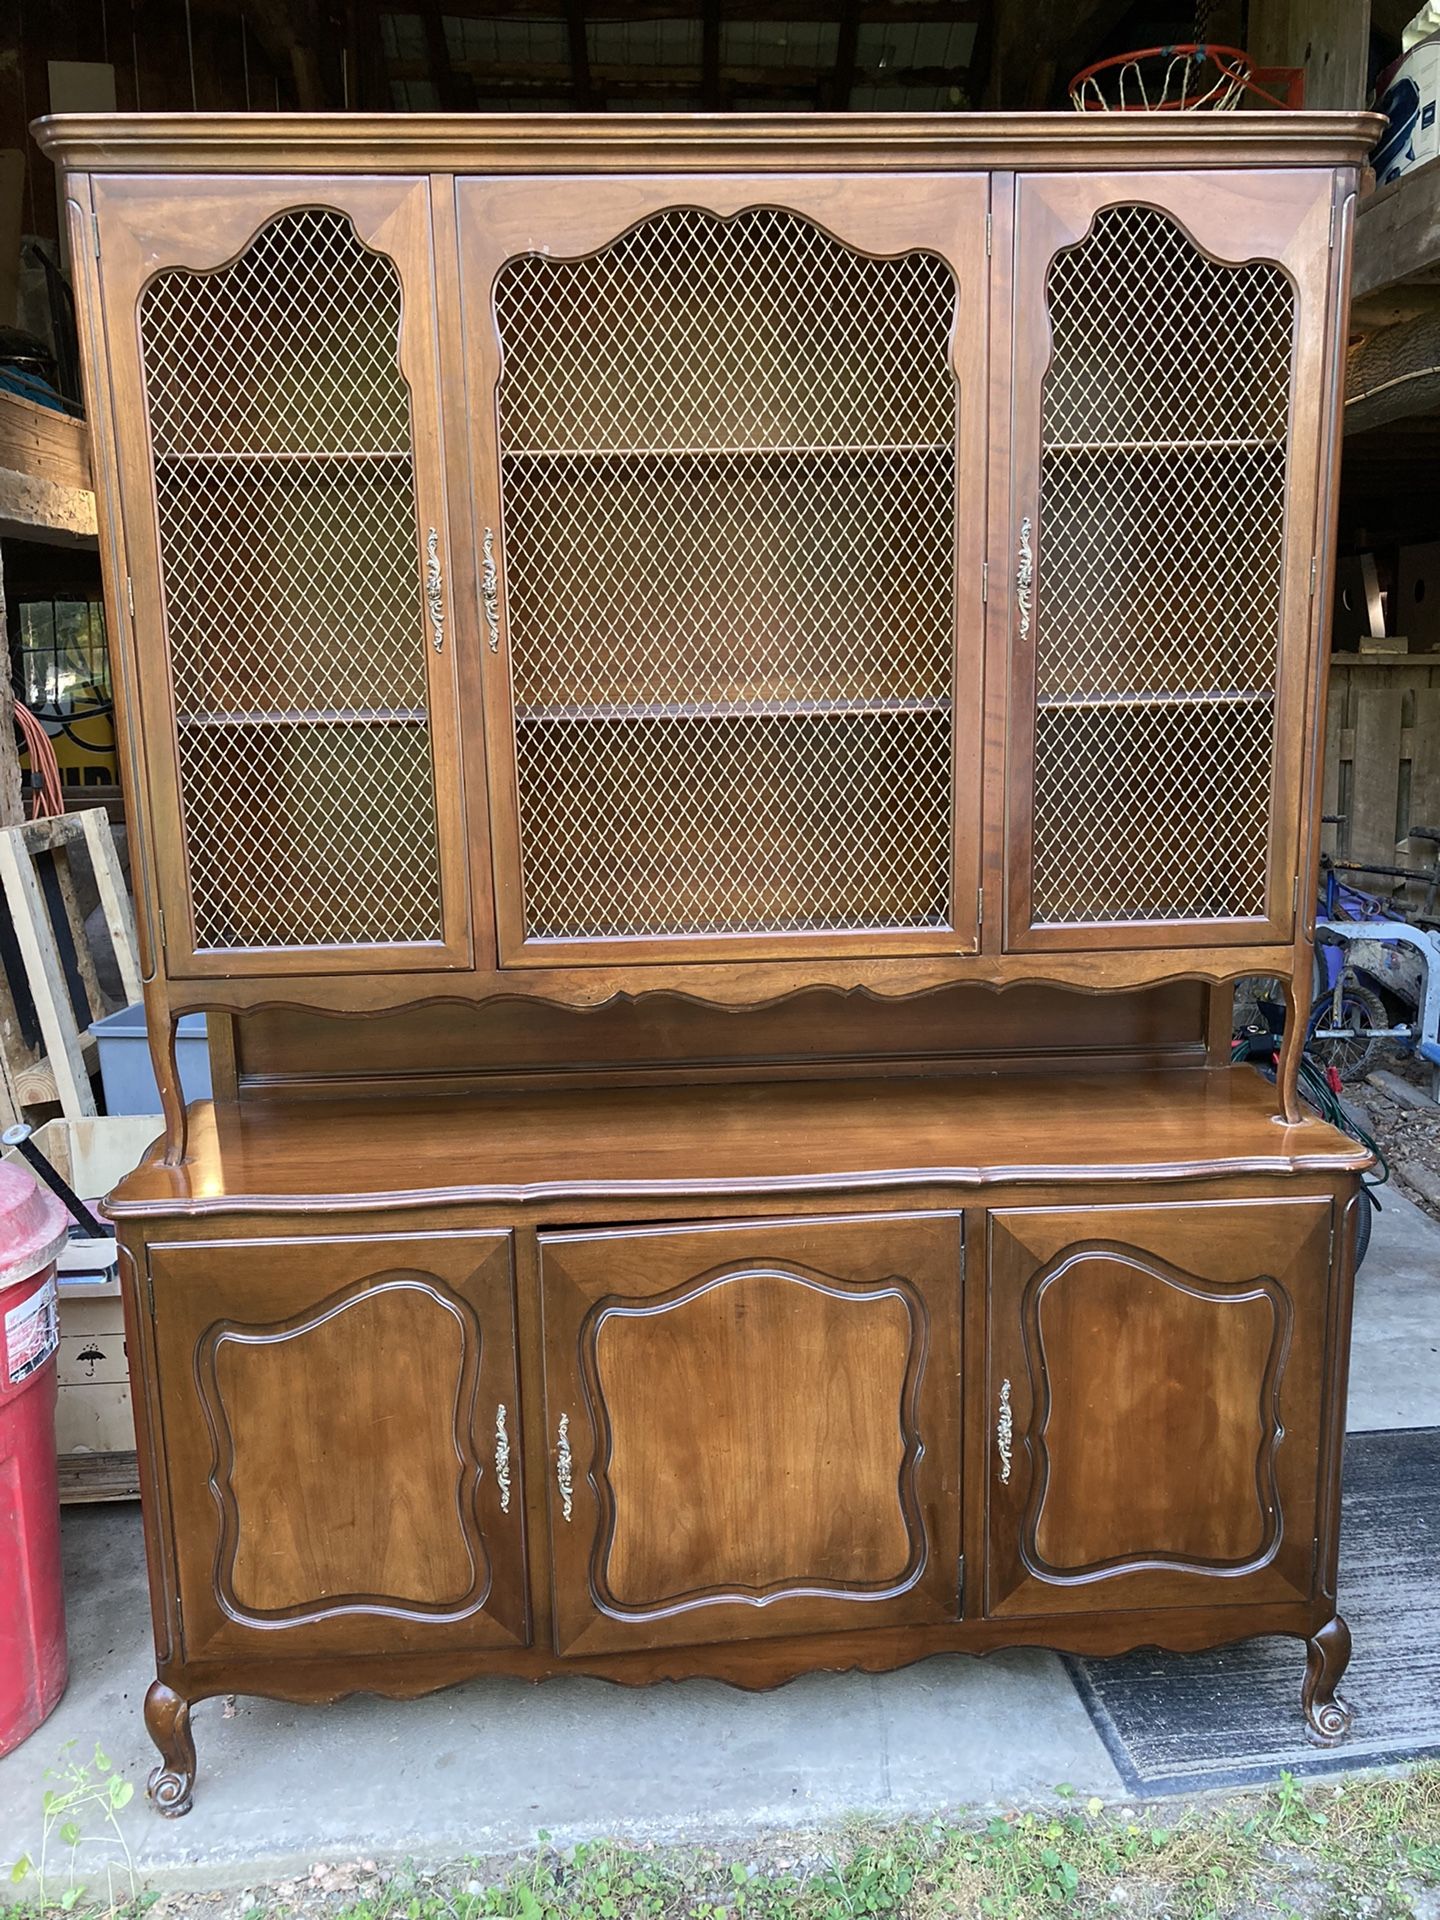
x,y
1367,1849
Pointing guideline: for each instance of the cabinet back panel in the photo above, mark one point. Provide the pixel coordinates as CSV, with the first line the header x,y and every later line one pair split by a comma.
x,y
289,1048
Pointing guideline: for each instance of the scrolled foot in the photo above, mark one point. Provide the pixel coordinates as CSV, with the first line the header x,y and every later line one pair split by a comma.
x,y
167,1718
1328,1718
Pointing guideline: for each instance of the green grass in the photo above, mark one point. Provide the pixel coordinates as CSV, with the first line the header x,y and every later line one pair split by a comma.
x,y
1365,1849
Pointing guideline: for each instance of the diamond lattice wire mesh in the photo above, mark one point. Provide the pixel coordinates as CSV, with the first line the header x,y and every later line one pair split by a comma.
x,y
728,461
280,429
1159,569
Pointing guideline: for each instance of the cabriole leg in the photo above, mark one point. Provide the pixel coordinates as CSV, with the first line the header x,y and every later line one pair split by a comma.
x,y
1327,1717
164,1030
1292,1046
167,1718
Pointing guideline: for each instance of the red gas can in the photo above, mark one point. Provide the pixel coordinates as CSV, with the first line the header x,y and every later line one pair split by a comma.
x,y
33,1228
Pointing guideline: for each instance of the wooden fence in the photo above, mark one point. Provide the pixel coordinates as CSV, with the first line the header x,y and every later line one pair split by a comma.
x,y
1382,758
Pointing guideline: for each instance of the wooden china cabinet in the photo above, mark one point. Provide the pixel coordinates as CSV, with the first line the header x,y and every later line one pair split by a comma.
x,y
663,618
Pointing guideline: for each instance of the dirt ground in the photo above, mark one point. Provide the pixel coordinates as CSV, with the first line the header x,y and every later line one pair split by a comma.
x,y
1408,1131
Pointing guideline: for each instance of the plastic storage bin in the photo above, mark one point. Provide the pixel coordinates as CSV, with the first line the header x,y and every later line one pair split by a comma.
x,y
125,1060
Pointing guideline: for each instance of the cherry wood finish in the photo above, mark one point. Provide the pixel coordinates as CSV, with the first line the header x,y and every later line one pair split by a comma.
x,y
710,1303
449,204
615,1145
281,1526
1198,1325
760,1431
680,1343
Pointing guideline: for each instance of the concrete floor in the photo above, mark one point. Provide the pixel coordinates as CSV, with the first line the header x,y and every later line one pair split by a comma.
x,y
479,1769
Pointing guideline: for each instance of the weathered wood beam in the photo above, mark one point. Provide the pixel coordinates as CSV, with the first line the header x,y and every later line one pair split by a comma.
x,y
582,85
450,95
1035,49
710,56
552,76
1330,39
1397,234
847,44
45,491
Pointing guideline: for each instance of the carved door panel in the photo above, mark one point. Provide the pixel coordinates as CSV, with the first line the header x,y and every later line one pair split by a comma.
x,y
1167,386
1156,1384
729,446
272,353
754,1429
339,1417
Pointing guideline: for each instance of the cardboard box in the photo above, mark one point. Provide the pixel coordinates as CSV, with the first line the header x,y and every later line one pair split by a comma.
x,y
94,1422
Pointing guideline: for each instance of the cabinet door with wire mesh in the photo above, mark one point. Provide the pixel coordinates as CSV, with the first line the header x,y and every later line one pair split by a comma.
x,y
1168,362
273,348
730,467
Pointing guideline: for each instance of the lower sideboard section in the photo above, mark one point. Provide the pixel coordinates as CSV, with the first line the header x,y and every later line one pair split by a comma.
x,y
381,1459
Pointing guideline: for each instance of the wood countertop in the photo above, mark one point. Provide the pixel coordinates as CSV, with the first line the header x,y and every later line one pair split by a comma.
x,y
794,1136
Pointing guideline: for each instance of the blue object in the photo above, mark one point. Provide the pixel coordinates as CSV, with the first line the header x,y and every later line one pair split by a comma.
x,y
125,1070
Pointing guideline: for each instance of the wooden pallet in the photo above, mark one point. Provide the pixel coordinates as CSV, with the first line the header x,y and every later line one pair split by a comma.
x,y
1382,759
98,1476
55,960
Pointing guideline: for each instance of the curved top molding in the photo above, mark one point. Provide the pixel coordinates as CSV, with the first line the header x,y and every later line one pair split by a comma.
x,y
695,143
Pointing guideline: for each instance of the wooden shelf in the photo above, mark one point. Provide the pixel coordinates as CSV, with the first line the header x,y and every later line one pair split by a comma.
x,y
311,717
1159,446
1236,698
272,461
761,709
799,1136
819,449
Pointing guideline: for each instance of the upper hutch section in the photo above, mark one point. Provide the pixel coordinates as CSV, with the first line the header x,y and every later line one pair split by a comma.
x,y
570,557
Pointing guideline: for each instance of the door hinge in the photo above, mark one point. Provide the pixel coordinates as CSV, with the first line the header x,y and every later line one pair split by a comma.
x,y
990,232
1331,241
149,1290
1295,895
130,595
980,906
1314,571
160,916
960,1587
95,233
984,583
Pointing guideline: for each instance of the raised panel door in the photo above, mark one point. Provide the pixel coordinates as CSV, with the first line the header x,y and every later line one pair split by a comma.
x,y
1155,1400
1168,353
754,1429
729,447
272,350
338,1419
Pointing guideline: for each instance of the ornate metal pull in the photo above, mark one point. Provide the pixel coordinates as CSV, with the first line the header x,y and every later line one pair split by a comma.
x,y
490,594
1004,1431
434,589
1024,575
562,1466
502,1459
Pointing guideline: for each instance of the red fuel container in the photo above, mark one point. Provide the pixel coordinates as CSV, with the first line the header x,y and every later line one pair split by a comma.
x,y
33,1228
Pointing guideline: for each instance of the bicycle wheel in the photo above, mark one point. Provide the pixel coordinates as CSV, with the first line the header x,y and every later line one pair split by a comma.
x,y
1353,1047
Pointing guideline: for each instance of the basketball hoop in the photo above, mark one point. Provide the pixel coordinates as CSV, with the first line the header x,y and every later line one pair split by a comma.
x,y
1189,78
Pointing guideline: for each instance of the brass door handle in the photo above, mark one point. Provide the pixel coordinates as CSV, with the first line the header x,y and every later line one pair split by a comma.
x,y
562,1467
502,1458
434,589
1024,576
1004,1431
490,588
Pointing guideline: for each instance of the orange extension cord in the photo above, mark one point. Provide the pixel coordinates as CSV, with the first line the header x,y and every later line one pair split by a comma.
x,y
48,798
